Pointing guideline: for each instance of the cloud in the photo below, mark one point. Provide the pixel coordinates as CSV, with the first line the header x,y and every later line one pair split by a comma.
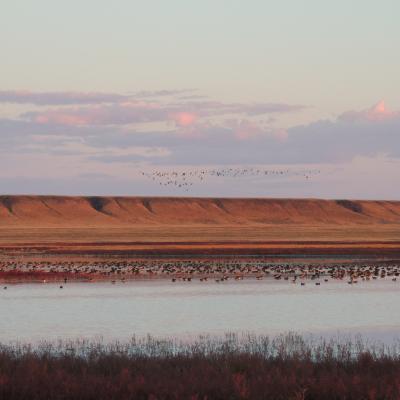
x,y
104,133
213,108
245,129
80,98
242,141
378,112
115,114
164,93
184,118
368,132
99,139
264,108
131,112
58,98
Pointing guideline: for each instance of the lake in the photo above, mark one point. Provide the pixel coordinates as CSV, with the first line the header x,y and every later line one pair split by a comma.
x,y
32,312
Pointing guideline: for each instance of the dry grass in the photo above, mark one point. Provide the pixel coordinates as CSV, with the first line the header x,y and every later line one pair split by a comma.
x,y
248,367
201,233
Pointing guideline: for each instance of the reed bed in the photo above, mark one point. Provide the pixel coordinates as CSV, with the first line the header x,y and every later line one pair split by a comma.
x,y
234,366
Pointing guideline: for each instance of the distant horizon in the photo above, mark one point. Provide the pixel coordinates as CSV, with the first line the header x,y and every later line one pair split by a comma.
x,y
105,196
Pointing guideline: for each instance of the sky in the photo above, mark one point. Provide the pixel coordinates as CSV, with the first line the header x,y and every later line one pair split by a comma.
x,y
96,97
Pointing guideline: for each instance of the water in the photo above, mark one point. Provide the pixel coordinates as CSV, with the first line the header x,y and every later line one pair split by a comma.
x,y
33,312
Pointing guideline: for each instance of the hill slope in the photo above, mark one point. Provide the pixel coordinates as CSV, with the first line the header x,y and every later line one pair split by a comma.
x,y
59,211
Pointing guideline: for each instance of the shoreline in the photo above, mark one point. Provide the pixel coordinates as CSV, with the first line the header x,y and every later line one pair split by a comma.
x,y
202,270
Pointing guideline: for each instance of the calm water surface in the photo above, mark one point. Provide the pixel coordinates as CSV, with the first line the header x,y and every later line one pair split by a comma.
x,y
31,312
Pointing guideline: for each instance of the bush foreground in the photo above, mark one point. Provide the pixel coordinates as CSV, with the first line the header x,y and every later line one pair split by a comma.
x,y
232,367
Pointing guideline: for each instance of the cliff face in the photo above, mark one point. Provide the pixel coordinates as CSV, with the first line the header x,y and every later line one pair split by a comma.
x,y
44,211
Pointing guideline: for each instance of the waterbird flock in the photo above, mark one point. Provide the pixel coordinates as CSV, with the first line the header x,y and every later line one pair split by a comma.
x,y
201,270
186,179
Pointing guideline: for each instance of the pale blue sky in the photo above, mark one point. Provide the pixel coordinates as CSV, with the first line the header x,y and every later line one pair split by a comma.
x,y
315,59
334,55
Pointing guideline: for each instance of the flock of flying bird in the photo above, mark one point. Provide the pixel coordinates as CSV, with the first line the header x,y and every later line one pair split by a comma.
x,y
185,180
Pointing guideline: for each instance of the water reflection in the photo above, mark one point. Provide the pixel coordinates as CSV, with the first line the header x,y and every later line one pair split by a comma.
x,y
31,312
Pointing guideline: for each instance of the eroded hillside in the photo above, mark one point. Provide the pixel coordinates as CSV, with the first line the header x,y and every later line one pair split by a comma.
x,y
44,211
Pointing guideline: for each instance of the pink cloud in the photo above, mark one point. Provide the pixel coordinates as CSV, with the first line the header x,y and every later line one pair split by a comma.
x,y
378,112
184,118
246,130
118,114
61,119
127,111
